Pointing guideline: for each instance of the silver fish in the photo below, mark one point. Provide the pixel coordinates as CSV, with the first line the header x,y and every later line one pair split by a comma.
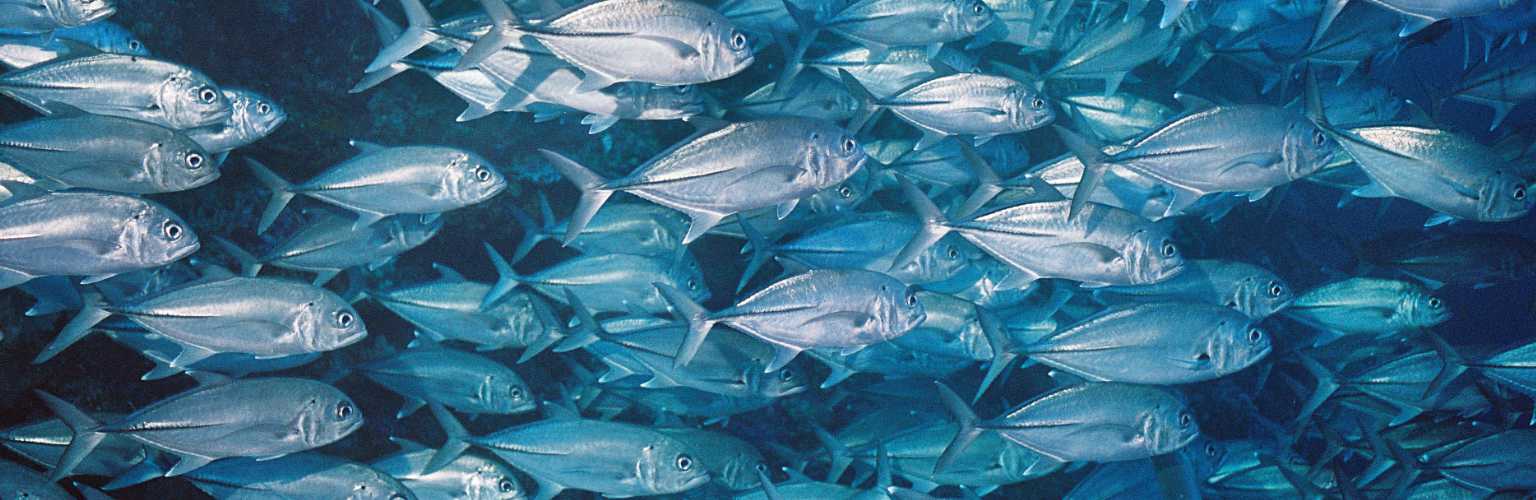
x,y
312,475
974,104
333,243
1500,84
162,351
1164,343
256,418
1368,306
41,16
1442,170
466,382
252,117
44,441
468,477
611,458
633,228
731,462
1493,463
265,317
879,25
728,363
384,181
106,153
1250,289
86,234
164,93
1116,117
823,308
720,172
866,241
104,36
449,309
899,70
606,283
810,95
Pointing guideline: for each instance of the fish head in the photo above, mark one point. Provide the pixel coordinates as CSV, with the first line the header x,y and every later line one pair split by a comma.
x,y
333,323
667,466
177,163
968,16
689,278
1027,108
725,48
155,236
110,37
70,13
1204,455
370,484
1421,309
834,154
1307,148
786,381
327,416
471,178
493,480
190,100
506,395
1236,343
908,312
1168,424
254,116
1154,257
1261,295
841,198
1503,197
654,102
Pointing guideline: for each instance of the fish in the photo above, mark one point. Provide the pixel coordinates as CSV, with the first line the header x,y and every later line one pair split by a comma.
x,y
265,317
1478,259
978,105
252,117
1446,172
470,476
1252,290
449,308
162,351
254,418
464,381
126,86
628,460
97,235
879,25
44,16
809,95
822,308
1500,84
297,475
1491,463
42,442
21,52
332,243
106,153
384,181
716,173
731,462
1369,306
632,228
865,241
606,282
23,482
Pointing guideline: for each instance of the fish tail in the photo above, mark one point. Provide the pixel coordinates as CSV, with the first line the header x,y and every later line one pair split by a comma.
x,y
699,322
762,250
837,453
504,24
1172,9
91,313
934,226
453,446
1326,386
281,193
1003,350
869,105
1095,165
593,192
968,429
533,232
794,53
388,32
506,278
987,181
85,430
585,334
549,338
249,264
418,33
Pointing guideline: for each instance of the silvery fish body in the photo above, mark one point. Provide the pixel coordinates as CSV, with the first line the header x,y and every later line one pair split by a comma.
x,y
666,42
44,441
681,401
871,242
770,16
1038,240
466,382
162,351
611,282
449,309
1499,462
944,164
106,153
252,117
19,481
898,70
1403,385
42,16
1369,305
989,461
737,167
164,93
1117,117
1250,289
1500,84
633,228
829,308
1515,368
104,36
333,243
728,363
255,418
974,104
1164,343
810,95
303,475
471,476
731,462
87,234
385,181
1111,49
1100,423
1444,171
881,24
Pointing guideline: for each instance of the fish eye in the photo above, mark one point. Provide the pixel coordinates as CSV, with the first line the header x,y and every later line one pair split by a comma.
x,y
1169,250
263,108
134,45
693,284
684,463
953,253
1255,335
207,95
978,8
1275,289
763,468
786,375
1519,193
343,410
848,145
345,319
1185,420
1434,303
505,485
845,192
1037,103
194,161
911,299
739,41
1211,451
1318,139
482,174
516,393
397,496
171,230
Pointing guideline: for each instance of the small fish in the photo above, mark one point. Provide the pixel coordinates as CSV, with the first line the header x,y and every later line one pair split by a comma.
x,y
466,382
21,52
332,243
1447,172
449,308
468,477
1250,289
43,16
311,474
106,153
253,116
978,105
607,283
1368,306
384,181
879,25
164,93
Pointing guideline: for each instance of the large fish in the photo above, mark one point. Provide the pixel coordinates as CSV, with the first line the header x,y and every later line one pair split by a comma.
x,y
384,181
42,16
106,153
252,117
607,283
879,25
727,170
255,418
823,308
97,235
102,36
162,351
164,93
1368,306
449,308
1442,170
265,317
564,452
471,476
466,382
978,105
1253,290
303,475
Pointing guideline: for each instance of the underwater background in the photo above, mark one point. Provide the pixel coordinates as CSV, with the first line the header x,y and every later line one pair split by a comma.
x,y
307,54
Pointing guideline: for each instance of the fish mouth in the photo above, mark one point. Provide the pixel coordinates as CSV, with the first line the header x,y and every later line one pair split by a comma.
x,y
352,338
525,407
695,482
186,251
